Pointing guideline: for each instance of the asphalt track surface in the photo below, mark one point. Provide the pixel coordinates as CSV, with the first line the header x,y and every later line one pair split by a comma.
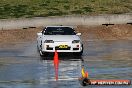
x,y
22,67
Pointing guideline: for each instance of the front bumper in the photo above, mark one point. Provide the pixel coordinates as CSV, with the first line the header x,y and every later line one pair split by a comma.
x,y
65,47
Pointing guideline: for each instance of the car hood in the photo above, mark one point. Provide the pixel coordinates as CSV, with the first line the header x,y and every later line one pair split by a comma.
x,y
63,38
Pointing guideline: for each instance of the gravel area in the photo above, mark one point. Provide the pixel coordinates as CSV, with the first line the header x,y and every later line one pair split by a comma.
x,y
113,32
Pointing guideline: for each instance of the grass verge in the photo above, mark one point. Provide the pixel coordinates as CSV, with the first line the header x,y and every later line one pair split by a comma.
x,y
44,8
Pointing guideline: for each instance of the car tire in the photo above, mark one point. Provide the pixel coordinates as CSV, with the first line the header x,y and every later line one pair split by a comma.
x,y
42,54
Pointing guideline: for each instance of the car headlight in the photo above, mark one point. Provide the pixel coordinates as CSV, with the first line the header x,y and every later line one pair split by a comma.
x,y
75,41
48,41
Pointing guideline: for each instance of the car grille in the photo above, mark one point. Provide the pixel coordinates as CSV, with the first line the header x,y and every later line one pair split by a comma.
x,y
49,48
57,48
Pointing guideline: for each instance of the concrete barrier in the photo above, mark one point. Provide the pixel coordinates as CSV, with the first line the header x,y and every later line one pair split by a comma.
x,y
65,20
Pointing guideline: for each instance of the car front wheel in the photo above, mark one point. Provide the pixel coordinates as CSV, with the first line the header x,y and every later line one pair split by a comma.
x,y
42,54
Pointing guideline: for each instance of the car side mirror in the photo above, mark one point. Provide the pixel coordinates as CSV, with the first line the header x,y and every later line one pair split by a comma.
x,y
39,34
78,34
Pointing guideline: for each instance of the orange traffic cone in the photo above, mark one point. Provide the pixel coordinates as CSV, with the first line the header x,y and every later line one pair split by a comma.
x,y
84,74
56,64
84,80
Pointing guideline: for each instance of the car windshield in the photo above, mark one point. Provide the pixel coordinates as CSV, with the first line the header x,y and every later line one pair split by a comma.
x,y
59,31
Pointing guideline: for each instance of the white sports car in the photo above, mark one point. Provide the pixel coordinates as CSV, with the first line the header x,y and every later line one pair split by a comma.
x,y
60,38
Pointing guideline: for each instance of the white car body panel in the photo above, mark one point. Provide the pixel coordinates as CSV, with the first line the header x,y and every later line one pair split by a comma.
x,y
58,40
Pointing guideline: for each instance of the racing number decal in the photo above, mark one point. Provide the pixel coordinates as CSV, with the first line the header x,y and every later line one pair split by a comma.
x,y
63,46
